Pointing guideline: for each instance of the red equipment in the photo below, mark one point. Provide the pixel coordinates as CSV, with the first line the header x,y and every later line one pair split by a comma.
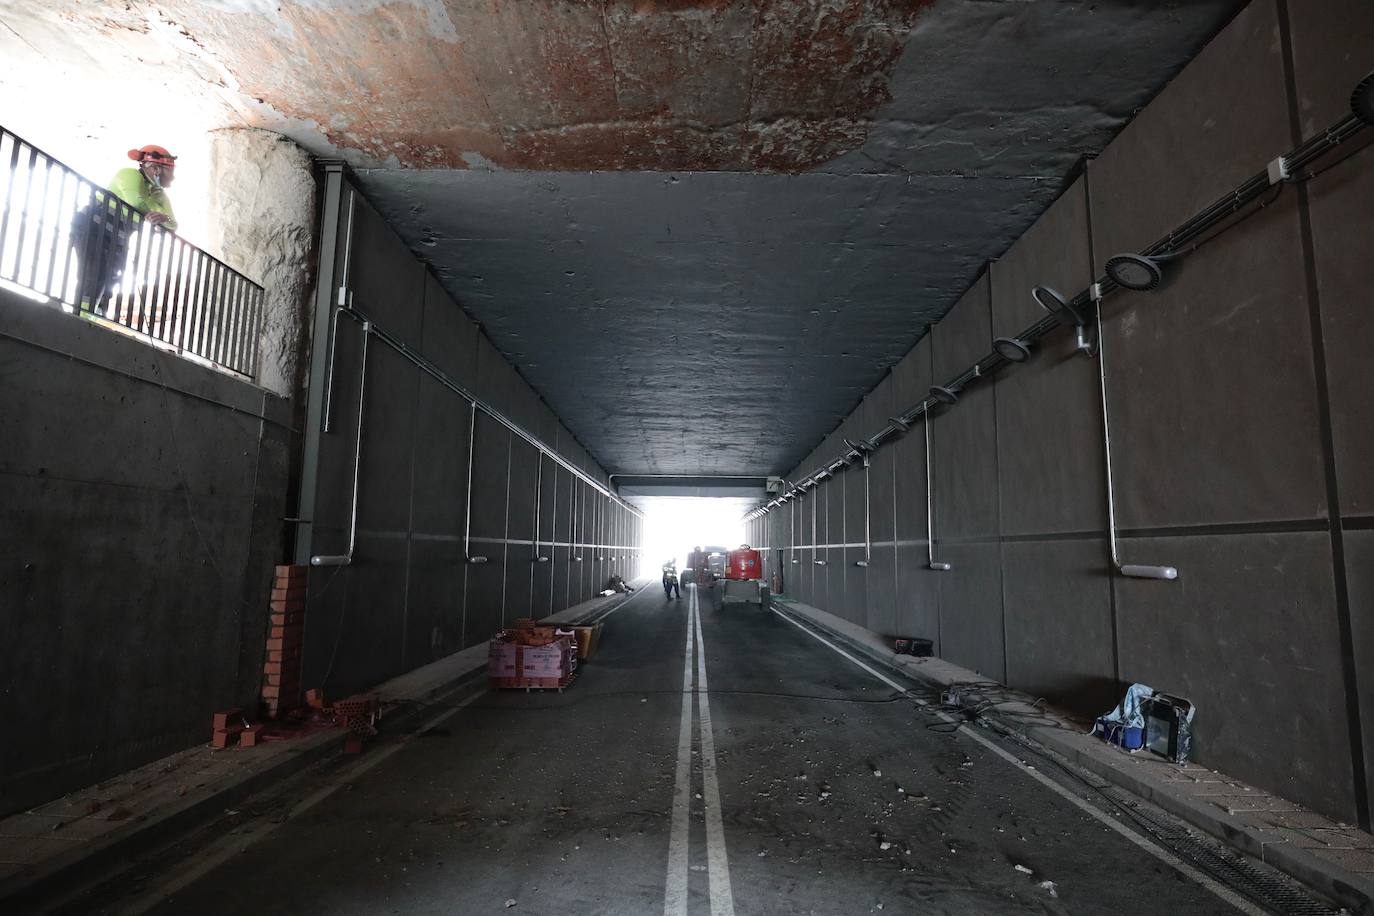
x,y
744,563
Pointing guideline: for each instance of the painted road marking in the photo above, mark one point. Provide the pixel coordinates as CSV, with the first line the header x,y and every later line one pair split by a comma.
x,y
717,860
1220,890
675,890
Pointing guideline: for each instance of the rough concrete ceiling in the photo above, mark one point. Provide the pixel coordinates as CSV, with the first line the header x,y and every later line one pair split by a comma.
x,y
733,214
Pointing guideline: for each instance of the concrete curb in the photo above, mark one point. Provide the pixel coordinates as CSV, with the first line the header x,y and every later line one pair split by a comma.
x,y
122,846
1348,889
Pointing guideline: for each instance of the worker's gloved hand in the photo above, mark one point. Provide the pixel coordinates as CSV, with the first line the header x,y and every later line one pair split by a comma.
x,y
157,219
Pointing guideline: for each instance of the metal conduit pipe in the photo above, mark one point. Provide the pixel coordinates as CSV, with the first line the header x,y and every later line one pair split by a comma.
x,y
1135,571
1172,245
451,384
931,562
467,500
346,559
538,506
868,533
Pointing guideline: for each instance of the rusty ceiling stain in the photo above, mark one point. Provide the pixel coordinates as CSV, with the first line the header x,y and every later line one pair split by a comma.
x,y
775,85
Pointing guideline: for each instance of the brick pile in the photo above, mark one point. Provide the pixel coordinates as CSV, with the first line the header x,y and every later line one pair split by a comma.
x,y
281,683
231,726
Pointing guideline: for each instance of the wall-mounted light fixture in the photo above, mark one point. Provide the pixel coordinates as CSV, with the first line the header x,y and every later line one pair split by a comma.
x,y
944,395
1134,271
1362,100
1012,349
541,559
1051,301
477,559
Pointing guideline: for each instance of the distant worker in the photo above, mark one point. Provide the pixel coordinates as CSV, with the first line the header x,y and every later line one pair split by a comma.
x,y
109,227
670,587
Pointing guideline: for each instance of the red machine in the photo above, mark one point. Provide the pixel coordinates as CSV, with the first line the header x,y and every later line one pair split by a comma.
x,y
744,563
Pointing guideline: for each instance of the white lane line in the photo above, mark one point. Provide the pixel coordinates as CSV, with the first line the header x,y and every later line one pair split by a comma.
x,y
675,890
222,850
718,862
1220,890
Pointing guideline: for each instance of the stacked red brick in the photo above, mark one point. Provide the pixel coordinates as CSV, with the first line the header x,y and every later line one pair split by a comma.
x,y
530,656
281,685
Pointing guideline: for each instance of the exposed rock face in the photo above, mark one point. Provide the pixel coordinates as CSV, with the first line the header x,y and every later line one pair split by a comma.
x,y
262,193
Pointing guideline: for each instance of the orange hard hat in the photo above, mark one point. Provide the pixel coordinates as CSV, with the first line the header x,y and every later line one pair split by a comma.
x,y
153,153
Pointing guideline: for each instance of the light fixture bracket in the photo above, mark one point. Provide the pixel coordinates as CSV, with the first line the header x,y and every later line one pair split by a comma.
x,y
1051,301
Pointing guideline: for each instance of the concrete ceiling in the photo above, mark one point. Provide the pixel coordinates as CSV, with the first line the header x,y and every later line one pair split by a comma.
x,y
712,217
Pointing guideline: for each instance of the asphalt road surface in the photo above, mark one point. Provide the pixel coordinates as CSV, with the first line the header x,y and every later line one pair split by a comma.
x,y
707,761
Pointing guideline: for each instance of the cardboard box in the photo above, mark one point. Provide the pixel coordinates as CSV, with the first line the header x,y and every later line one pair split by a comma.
x,y
587,640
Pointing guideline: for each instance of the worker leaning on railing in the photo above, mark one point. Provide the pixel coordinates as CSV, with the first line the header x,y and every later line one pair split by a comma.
x,y
104,243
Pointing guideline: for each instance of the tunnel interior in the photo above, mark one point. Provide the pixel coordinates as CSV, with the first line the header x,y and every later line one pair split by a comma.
x,y
1033,333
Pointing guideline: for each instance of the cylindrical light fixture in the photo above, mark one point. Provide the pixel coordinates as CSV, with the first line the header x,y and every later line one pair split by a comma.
x,y
1012,349
1134,271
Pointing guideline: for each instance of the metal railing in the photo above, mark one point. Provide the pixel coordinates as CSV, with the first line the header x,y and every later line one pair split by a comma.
x,y
69,242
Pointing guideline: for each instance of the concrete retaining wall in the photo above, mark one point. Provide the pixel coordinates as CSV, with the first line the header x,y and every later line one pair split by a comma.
x,y
1242,437
409,597
141,504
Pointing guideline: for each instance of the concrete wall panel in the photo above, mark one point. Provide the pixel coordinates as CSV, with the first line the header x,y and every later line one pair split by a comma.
x,y
1059,637
880,578
168,482
440,472
911,380
388,441
1333,49
519,558
434,601
1224,350
917,611
965,439
971,626
1049,415
1248,633
363,645
1359,570
385,280
449,338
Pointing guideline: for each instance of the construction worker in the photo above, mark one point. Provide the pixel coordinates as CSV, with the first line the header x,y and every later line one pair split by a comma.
x,y
670,587
104,245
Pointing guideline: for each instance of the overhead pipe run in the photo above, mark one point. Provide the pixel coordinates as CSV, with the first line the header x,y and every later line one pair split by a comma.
x,y
1126,271
350,311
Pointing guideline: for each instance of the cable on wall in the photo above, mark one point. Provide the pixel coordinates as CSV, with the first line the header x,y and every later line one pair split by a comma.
x,y
1143,271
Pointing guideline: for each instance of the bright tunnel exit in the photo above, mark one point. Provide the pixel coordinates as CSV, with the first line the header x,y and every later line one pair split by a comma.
x,y
674,525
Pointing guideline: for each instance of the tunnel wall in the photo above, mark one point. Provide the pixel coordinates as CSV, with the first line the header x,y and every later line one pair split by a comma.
x,y
141,502
1242,434
410,597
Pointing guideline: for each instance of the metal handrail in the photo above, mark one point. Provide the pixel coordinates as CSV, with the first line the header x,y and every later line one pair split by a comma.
x,y
66,241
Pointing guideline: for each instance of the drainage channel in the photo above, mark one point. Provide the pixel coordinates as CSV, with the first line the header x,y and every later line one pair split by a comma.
x,y
1261,884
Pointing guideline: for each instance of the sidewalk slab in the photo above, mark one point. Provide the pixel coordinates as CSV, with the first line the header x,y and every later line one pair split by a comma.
x,y
112,821
1334,859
